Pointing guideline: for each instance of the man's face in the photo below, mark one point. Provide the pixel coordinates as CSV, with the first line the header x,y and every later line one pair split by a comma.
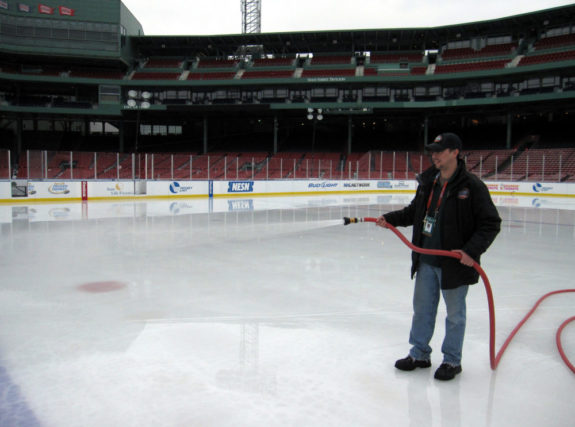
x,y
444,159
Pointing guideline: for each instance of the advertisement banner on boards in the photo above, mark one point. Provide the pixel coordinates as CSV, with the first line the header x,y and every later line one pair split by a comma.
x,y
177,188
112,189
237,188
54,190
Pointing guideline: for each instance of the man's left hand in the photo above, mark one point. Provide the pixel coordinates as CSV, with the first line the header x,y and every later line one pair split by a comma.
x,y
465,259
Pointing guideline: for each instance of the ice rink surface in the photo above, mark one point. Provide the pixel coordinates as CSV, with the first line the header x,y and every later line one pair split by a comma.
x,y
264,312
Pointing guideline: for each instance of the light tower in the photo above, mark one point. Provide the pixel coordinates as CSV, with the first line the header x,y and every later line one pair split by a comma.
x,y
251,16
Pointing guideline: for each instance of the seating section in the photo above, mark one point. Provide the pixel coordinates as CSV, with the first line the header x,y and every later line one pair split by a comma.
x,y
567,163
386,58
330,60
213,69
273,62
489,163
474,160
328,72
9,68
373,72
200,167
541,165
376,64
96,74
64,71
107,166
84,166
44,70
370,72
488,51
181,166
461,60
551,165
555,42
320,165
268,74
223,75
164,63
285,165
498,49
270,68
35,70
470,66
547,57
418,70
148,75
217,63
395,64
5,167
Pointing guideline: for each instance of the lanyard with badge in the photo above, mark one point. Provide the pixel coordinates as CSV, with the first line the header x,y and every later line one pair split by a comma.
x,y
429,221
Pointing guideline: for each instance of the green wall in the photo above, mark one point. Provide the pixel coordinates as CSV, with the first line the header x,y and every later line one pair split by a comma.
x,y
95,30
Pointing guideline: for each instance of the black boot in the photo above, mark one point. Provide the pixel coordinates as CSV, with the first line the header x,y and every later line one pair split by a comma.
x,y
409,364
447,372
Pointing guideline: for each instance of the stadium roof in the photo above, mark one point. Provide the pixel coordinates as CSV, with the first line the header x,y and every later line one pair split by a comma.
x,y
393,39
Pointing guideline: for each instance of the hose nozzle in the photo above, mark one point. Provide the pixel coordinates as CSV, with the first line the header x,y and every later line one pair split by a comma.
x,y
347,221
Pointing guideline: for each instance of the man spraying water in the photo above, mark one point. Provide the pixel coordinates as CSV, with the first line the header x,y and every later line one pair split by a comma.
x,y
452,210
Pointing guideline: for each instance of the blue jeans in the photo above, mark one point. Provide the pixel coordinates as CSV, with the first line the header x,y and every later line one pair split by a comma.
x,y
425,301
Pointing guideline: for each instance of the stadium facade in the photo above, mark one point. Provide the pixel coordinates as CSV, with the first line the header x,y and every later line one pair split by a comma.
x,y
81,75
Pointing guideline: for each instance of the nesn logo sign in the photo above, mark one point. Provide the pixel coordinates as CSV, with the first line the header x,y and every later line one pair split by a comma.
x,y
241,187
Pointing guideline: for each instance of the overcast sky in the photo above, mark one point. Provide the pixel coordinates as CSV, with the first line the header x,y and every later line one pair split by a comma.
x,y
194,17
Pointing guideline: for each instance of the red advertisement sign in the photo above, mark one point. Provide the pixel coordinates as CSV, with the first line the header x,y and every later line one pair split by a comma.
x,y
66,11
42,8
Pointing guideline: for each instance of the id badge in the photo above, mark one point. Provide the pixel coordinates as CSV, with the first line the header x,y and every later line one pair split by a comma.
x,y
428,225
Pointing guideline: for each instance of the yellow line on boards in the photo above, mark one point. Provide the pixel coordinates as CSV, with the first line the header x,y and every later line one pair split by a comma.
x,y
24,200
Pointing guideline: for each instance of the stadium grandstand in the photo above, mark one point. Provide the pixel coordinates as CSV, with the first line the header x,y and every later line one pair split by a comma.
x,y
85,94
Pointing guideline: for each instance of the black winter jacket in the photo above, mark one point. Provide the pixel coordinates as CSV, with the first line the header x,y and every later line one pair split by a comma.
x,y
469,221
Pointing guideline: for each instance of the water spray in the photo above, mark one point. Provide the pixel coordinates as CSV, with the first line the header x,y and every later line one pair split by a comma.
x,y
493,358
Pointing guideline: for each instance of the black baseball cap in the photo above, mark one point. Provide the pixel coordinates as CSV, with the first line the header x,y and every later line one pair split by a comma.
x,y
444,141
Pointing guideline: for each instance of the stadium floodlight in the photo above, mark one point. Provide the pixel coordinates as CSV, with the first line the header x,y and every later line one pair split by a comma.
x,y
314,114
138,101
251,16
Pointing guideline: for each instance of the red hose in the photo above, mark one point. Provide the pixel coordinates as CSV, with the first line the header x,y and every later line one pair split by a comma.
x,y
493,358
560,347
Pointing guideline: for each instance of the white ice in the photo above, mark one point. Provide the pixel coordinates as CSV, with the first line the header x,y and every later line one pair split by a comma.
x,y
267,312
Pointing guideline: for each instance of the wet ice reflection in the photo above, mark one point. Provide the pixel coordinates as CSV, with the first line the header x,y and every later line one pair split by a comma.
x,y
265,312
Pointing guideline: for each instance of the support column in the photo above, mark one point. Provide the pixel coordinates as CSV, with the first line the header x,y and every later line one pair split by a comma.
x,y
349,134
205,149
275,134
425,131
314,123
121,134
19,137
85,127
509,129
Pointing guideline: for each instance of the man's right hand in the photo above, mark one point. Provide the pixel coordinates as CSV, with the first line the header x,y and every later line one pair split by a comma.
x,y
381,222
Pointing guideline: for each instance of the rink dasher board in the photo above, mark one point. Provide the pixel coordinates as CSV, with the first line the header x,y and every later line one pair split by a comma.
x,y
67,190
